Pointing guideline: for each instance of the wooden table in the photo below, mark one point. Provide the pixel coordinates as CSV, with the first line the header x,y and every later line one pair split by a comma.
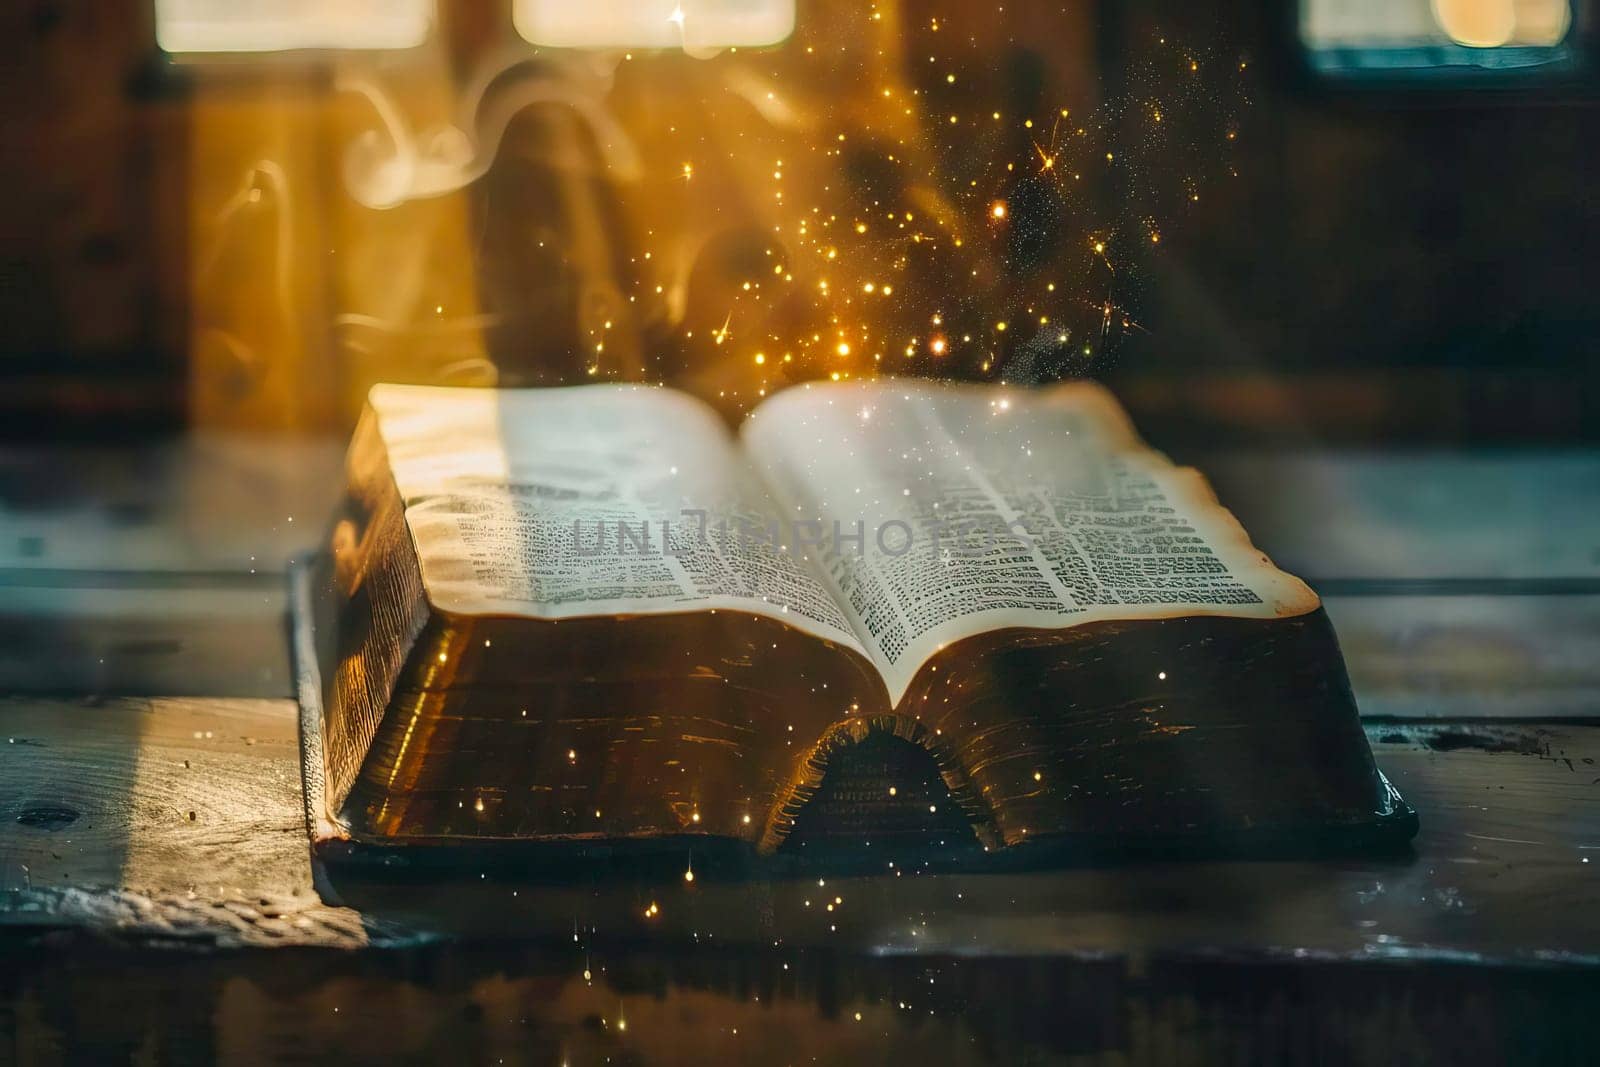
x,y
157,899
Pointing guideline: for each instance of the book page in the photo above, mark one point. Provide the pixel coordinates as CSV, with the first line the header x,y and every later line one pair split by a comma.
x,y
950,511
595,500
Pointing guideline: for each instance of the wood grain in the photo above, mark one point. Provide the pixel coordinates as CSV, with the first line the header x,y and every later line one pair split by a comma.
x,y
1358,961
159,817
1509,819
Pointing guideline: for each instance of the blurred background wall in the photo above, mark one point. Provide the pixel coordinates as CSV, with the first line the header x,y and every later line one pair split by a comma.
x,y
1391,260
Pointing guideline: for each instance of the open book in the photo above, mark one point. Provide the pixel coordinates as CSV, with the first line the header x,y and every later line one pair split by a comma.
x,y
593,613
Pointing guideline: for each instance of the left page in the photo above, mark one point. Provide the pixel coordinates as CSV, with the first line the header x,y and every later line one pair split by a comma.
x,y
589,501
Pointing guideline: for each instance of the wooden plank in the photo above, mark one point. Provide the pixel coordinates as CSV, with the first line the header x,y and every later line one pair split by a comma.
x,y
210,503
1471,656
1407,515
156,569
1502,868
1368,961
159,818
120,634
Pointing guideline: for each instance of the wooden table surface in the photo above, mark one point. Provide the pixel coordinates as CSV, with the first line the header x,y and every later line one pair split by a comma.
x,y
157,897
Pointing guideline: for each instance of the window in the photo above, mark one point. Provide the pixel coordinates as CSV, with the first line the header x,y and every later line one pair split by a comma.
x,y
283,25
688,24
1441,40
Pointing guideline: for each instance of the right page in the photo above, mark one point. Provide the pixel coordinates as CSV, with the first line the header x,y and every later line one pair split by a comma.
x,y
940,512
